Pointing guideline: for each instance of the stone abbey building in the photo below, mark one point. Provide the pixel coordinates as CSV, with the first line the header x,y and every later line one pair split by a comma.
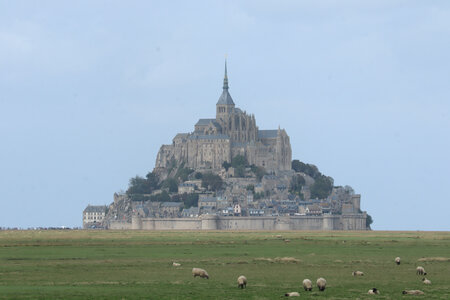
x,y
232,132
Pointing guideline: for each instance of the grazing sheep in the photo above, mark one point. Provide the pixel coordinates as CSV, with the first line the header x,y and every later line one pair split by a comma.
x,y
176,264
426,281
358,273
397,260
242,281
321,284
420,271
307,285
200,272
373,291
412,292
292,294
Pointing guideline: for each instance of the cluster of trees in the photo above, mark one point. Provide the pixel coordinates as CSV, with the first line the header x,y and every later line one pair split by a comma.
x,y
322,187
212,182
189,200
140,185
240,163
297,182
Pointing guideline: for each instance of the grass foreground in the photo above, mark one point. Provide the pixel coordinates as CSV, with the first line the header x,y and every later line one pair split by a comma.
x,y
138,264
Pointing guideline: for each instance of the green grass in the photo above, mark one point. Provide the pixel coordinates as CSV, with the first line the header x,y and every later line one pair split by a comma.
x,y
138,264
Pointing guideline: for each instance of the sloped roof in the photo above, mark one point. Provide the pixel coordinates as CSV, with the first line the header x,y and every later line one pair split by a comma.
x,y
95,208
225,98
267,134
209,137
205,121
171,204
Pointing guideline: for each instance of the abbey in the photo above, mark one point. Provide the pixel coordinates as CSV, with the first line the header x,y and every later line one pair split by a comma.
x,y
232,132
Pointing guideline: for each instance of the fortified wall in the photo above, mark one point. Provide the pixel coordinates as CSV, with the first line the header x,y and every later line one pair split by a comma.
x,y
210,222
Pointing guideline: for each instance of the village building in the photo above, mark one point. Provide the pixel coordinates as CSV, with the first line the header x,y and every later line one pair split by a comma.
x,y
93,216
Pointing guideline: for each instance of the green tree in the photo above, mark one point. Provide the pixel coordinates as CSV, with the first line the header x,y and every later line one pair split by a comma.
x,y
212,182
183,174
322,187
239,171
138,185
190,200
297,182
369,221
152,180
161,197
258,171
238,161
250,187
171,184
308,169
226,165
198,175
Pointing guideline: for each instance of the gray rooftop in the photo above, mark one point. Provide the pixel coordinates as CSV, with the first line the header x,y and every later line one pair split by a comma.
x,y
208,199
193,209
205,121
171,204
267,134
95,208
209,137
225,98
181,135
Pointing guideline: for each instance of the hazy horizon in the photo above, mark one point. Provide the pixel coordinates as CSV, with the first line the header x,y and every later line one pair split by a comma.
x,y
89,91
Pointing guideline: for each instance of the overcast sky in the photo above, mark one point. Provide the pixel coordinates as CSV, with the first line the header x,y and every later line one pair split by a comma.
x,y
89,90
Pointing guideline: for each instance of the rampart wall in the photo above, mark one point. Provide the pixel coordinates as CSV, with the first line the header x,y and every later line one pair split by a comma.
x,y
325,222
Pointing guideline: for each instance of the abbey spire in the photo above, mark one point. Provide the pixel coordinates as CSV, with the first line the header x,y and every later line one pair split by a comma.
x,y
225,99
225,78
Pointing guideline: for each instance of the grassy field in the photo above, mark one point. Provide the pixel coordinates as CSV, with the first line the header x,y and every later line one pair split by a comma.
x,y
138,264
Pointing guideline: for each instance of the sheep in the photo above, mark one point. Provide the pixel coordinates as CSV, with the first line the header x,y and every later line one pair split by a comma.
x,y
426,281
242,281
321,284
373,291
397,260
176,264
200,272
413,292
358,273
292,294
307,285
420,271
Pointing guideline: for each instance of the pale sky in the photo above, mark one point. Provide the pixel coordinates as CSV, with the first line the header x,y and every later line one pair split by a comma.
x,y
89,91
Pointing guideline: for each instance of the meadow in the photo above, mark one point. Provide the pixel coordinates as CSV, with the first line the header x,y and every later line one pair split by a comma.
x,y
77,264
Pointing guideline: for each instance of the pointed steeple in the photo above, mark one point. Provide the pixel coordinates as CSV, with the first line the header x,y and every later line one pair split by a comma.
x,y
225,98
225,78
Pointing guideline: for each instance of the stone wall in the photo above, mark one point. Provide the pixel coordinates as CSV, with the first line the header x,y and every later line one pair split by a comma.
x,y
325,222
117,225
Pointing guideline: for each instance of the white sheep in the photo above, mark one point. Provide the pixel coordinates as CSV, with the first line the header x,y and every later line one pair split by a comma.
x,y
175,264
373,291
292,294
200,272
307,285
426,281
397,260
420,271
358,273
242,281
413,292
321,284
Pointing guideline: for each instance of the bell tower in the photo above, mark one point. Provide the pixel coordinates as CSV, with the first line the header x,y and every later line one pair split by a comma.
x,y
225,105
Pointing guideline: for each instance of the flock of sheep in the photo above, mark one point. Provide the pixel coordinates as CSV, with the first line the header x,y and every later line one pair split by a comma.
x,y
321,282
